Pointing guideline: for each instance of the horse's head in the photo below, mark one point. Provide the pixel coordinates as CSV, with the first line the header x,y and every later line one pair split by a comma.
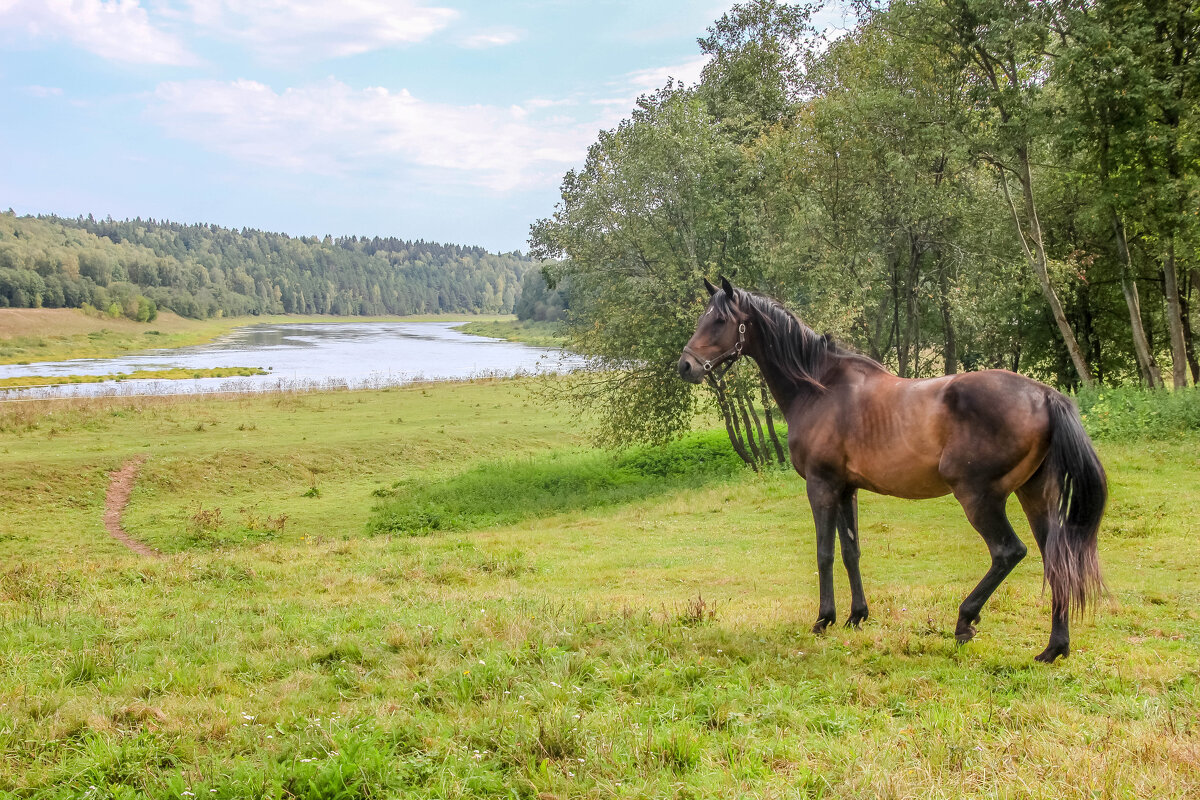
x,y
720,334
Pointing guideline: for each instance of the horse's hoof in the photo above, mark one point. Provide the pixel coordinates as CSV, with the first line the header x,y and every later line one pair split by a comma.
x,y
962,636
821,624
1052,652
856,619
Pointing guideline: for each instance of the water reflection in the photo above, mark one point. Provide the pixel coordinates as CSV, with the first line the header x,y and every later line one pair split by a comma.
x,y
351,354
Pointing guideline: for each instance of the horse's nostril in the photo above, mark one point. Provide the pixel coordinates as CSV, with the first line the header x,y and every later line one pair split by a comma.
x,y
684,366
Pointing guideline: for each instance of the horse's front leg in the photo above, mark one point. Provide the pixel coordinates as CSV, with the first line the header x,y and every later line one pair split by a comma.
x,y
847,528
824,500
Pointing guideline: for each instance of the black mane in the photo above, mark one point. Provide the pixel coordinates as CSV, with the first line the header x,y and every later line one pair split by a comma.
x,y
801,354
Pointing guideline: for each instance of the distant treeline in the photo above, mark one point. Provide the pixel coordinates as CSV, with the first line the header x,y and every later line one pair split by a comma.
x,y
134,267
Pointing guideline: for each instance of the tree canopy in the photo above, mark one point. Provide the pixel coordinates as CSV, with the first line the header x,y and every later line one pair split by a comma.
x,y
207,270
952,184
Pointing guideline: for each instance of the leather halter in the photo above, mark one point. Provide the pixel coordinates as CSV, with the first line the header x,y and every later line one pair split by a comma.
x,y
728,357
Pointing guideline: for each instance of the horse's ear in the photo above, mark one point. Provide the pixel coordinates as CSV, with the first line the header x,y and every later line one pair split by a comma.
x,y
709,285
728,287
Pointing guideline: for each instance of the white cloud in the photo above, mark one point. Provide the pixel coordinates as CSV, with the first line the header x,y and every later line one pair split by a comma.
x,y
331,128
674,23
119,30
313,30
546,102
43,91
624,92
647,80
835,20
497,38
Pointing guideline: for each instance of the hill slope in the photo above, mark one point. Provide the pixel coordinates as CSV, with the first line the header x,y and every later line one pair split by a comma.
x,y
134,267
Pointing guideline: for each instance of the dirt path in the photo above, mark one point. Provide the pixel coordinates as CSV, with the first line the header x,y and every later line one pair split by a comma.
x,y
120,486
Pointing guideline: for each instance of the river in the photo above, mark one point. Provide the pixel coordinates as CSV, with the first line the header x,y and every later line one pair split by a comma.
x,y
308,355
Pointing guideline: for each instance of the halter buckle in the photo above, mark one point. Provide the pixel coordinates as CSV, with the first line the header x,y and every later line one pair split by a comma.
x,y
730,355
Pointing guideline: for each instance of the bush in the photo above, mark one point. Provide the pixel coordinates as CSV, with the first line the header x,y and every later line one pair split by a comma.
x,y
1133,413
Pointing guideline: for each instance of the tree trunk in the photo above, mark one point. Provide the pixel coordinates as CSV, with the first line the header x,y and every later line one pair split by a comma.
x,y
949,343
1179,364
753,445
1178,31
1191,279
897,337
877,345
762,438
912,304
766,401
1037,261
731,425
1147,366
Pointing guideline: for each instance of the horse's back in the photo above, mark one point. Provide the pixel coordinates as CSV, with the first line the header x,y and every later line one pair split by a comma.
x,y
998,429
921,438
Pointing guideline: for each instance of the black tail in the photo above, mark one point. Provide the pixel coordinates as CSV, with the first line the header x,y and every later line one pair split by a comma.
x,y
1071,562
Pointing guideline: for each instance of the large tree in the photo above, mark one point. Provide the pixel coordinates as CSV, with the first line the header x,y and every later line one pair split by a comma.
x,y
1002,47
874,184
635,230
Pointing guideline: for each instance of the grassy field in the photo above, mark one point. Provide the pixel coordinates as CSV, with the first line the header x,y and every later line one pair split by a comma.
x,y
28,335
174,374
539,334
653,643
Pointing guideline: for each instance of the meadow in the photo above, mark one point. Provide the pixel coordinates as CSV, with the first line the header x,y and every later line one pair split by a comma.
x,y
528,331
173,374
443,591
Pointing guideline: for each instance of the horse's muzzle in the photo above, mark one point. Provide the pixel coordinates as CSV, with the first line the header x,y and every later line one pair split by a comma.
x,y
689,370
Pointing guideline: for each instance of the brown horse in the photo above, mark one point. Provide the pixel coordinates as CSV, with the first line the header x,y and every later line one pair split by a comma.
x,y
979,435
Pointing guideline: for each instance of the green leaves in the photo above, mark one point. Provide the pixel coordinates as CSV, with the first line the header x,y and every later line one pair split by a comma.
x,y
935,188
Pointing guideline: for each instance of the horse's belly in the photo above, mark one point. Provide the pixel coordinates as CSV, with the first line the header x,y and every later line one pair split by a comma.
x,y
913,481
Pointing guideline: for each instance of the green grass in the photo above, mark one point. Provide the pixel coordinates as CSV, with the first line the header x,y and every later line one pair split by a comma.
x,y
652,646
1125,414
177,373
504,492
31,336
539,334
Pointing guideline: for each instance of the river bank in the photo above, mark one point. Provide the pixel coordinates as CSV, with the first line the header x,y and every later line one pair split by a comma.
x,y
526,331
334,353
31,335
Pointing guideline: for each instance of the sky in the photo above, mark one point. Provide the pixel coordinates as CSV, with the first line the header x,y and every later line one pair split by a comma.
x,y
447,121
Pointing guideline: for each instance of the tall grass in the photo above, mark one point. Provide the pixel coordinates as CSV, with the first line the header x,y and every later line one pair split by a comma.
x,y
504,492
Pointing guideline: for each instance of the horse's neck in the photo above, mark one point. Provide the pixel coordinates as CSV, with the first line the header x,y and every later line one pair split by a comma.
x,y
787,391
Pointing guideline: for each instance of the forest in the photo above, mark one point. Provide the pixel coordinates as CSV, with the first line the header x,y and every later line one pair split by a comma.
x,y
949,185
135,267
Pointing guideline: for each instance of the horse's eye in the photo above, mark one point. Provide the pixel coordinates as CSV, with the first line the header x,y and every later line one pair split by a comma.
x,y
719,320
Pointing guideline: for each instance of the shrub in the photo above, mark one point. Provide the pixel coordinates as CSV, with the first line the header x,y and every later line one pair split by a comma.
x,y
1133,413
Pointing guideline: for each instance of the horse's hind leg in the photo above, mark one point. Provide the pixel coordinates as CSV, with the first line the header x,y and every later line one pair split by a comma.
x,y
985,511
847,527
1037,510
